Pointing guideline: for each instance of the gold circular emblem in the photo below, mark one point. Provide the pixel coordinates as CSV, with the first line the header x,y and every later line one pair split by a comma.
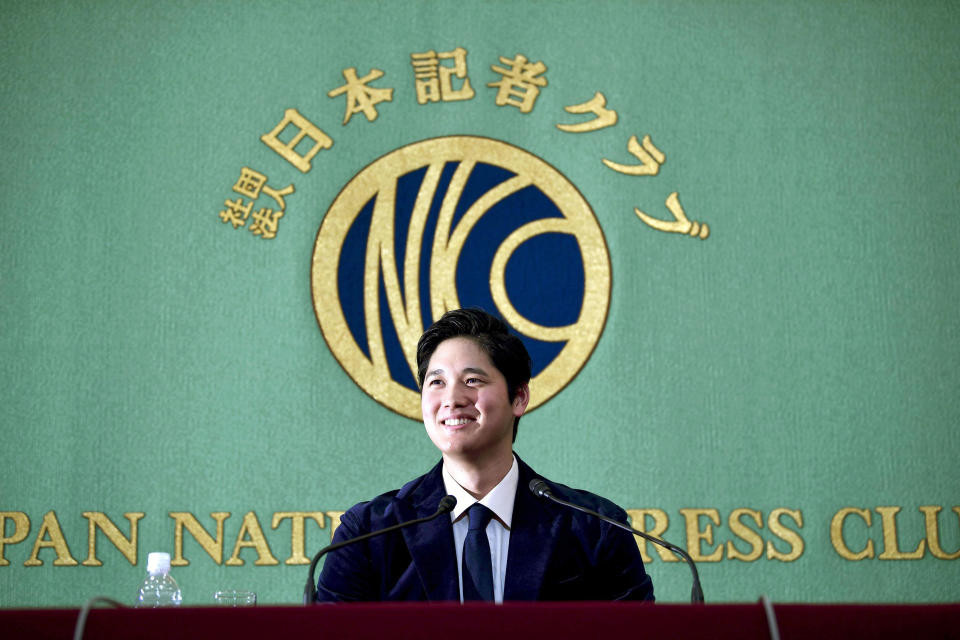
x,y
405,263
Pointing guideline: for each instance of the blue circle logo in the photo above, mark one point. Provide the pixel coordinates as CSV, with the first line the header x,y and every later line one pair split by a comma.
x,y
454,222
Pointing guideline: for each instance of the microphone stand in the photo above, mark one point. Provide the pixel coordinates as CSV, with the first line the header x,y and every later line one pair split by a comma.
x,y
541,490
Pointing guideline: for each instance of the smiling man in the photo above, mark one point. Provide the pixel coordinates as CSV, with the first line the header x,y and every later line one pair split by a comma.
x,y
500,542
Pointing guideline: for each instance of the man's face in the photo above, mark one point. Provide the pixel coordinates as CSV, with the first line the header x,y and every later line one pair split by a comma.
x,y
466,409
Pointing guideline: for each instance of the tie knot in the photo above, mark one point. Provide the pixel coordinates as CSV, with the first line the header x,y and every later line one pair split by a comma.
x,y
479,516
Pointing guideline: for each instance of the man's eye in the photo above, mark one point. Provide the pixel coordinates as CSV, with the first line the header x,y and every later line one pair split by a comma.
x,y
433,383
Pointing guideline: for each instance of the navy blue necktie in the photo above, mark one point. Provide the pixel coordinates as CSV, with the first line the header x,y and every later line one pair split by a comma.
x,y
477,567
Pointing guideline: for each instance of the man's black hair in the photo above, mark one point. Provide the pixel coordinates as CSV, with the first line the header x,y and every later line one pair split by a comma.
x,y
505,350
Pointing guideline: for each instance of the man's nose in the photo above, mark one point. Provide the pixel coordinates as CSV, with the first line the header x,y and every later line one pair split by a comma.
x,y
455,395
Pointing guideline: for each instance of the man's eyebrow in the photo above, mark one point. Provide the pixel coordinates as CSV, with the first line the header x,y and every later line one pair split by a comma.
x,y
482,372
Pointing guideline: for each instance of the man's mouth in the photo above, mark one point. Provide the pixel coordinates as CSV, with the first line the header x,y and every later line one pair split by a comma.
x,y
456,422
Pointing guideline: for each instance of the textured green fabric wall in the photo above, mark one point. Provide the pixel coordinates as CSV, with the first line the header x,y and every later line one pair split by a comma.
x,y
793,376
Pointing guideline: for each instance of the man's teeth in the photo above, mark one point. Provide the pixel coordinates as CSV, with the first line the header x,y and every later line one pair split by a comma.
x,y
456,423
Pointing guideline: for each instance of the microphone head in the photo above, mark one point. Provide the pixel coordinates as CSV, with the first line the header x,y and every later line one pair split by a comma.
x,y
447,503
539,488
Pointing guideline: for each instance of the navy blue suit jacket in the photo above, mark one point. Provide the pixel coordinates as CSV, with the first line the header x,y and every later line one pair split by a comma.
x,y
555,553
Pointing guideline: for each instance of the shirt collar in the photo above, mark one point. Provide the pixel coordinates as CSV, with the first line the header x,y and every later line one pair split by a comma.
x,y
500,499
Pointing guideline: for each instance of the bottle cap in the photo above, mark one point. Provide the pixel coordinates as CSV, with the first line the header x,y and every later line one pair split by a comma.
x,y
158,562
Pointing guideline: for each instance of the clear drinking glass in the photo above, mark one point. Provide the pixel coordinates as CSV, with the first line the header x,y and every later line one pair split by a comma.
x,y
235,598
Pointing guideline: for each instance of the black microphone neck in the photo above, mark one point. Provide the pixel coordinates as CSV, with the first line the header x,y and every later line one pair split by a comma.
x,y
540,489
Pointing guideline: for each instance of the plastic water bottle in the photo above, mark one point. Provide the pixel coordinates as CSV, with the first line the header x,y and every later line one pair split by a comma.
x,y
159,589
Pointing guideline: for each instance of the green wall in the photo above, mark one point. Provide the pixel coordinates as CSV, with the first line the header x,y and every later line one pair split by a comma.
x,y
803,357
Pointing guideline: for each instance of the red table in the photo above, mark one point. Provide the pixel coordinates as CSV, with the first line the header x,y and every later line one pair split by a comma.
x,y
530,621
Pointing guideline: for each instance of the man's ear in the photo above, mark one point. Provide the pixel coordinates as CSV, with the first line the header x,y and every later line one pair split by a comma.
x,y
521,398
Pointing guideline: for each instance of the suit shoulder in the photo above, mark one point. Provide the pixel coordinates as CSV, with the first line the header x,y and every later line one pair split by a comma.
x,y
380,511
589,500
370,513
579,497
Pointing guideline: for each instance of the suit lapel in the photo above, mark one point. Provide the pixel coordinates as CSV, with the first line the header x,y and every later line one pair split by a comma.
x,y
430,544
533,536
532,539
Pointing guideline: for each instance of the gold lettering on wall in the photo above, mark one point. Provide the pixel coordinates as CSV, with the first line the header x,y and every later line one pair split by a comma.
x,y
251,527
214,548
933,533
126,546
288,150
788,535
297,535
836,534
51,527
638,518
891,548
745,533
751,536
696,536
21,527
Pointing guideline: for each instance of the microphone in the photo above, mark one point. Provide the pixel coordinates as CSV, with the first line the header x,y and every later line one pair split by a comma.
x,y
540,489
446,505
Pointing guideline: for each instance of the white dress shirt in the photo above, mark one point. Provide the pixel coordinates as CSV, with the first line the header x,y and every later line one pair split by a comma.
x,y
500,501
